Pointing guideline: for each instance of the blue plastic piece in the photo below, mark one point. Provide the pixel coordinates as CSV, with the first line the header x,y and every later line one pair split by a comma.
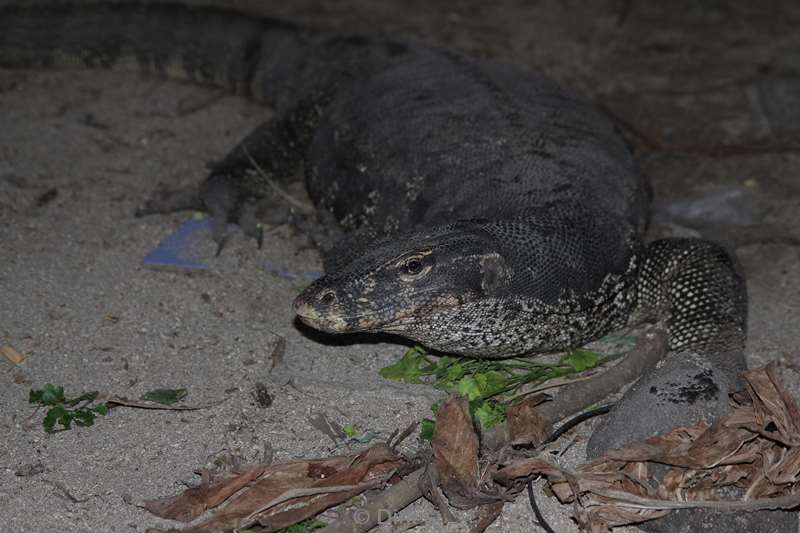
x,y
184,249
179,249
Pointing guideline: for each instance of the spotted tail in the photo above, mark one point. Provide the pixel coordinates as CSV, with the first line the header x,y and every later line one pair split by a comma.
x,y
695,288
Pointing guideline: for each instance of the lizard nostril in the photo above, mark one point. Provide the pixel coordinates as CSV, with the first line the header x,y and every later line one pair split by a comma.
x,y
327,298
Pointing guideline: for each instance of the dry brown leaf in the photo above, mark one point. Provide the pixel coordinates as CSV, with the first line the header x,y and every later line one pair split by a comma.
x,y
487,514
755,449
772,404
12,354
455,452
697,447
526,424
784,466
278,496
194,501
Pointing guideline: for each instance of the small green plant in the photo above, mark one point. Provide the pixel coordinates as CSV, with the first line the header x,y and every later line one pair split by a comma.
x,y
351,431
489,385
426,428
309,524
64,411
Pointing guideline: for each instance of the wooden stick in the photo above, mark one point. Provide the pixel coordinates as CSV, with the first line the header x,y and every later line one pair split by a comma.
x,y
381,508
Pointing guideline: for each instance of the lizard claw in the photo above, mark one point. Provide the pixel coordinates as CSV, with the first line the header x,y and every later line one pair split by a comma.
x,y
247,219
260,237
218,223
220,246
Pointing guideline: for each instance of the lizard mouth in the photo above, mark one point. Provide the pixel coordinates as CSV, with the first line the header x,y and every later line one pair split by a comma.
x,y
331,322
335,324
309,315
313,311
363,323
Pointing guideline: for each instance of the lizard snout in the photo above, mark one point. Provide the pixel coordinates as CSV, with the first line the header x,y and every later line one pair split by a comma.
x,y
311,306
314,299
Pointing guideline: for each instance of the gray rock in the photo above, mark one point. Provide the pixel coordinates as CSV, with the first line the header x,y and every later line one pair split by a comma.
x,y
684,389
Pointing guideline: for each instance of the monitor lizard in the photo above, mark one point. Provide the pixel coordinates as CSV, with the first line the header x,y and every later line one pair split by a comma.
x,y
472,207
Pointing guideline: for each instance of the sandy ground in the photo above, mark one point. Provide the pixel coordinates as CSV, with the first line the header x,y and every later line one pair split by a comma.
x,y
77,302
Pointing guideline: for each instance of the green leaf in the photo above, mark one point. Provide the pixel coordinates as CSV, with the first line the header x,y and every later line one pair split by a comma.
x,y
350,431
426,429
66,419
164,396
481,385
441,367
57,414
53,394
35,396
61,410
52,417
48,395
314,523
490,383
309,524
83,417
435,406
468,386
445,361
490,413
581,360
455,371
408,369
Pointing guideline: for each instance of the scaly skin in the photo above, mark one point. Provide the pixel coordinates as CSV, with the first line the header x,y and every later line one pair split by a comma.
x,y
474,303
518,202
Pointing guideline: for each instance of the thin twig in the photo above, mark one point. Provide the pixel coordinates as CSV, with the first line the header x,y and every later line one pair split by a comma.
x,y
435,494
553,385
114,400
394,442
313,491
383,506
625,499
66,493
650,348
304,207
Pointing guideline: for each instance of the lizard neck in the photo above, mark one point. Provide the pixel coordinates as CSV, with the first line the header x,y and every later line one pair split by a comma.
x,y
516,325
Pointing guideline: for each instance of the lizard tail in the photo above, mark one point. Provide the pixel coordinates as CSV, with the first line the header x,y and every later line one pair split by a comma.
x,y
244,55
696,287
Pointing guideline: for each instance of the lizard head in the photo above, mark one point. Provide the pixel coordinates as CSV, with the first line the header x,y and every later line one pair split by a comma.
x,y
418,285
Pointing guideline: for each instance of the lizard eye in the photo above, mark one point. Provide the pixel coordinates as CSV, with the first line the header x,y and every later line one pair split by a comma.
x,y
327,298
414,267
